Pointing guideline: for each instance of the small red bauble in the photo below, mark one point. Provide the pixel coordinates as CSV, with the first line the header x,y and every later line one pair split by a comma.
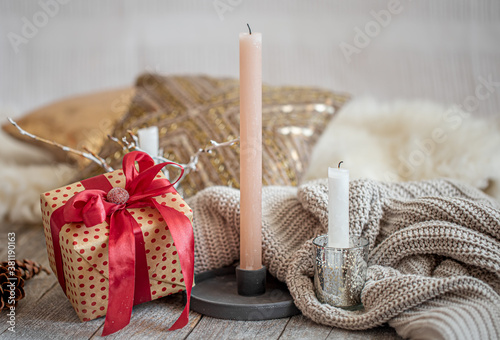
x,y
118,196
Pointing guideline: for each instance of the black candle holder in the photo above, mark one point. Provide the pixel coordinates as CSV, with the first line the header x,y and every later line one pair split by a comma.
x,y
236,294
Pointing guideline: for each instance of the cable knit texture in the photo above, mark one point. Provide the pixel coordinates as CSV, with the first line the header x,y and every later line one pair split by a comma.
x,y
434,263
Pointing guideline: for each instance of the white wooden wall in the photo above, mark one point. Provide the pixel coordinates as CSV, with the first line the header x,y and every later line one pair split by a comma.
x,y
429,49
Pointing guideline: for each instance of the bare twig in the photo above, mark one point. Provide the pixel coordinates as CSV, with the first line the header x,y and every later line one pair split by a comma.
x,y
134,145
134,137
92,156
114,139
193,160
101,160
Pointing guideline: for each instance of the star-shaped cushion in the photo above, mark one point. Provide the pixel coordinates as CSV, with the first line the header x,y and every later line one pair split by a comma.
x,y
192,110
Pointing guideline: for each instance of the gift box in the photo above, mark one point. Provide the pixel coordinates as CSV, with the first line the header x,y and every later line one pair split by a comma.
x,y
109,256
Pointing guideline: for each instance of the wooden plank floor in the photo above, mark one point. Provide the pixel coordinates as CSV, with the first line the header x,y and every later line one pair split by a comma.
x,y
45,313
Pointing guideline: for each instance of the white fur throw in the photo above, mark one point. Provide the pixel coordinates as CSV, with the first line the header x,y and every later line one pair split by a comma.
x,y
26,172
402,141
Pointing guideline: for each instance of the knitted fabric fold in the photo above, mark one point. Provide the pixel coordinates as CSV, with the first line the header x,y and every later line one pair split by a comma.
x,y
434,262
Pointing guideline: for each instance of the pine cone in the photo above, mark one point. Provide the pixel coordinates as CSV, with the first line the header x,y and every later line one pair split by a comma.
x,y
28,268
12,282
11,287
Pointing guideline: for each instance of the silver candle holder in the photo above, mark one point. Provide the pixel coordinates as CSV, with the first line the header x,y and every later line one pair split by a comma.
x,y
340,273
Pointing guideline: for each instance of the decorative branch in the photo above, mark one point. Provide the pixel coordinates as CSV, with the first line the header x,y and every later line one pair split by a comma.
x,y
188,167
89,155
114,139
193,160
99,158
128,146
134,137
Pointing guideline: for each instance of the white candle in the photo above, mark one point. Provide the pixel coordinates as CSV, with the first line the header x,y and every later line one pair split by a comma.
x,y
149,140
338,208
250,151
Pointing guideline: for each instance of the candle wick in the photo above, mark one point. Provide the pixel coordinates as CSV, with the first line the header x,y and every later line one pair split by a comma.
x,y
249,29
340,163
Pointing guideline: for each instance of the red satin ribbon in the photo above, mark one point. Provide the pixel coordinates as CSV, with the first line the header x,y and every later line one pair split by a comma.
x,y
128,275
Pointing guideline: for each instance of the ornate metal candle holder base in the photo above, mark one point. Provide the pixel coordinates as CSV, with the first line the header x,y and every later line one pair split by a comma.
x,y
340,273
219,294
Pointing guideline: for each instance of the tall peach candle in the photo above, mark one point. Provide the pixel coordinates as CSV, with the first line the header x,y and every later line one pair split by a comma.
x,y
250,151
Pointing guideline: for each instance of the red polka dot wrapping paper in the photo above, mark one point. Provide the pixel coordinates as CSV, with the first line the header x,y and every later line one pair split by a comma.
x,y
85,250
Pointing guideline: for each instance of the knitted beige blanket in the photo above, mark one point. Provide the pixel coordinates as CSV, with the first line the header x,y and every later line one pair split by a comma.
x,y
434,263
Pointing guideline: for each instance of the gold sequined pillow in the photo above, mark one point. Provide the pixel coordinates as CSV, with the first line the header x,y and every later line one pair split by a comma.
x,y
192,110
76,122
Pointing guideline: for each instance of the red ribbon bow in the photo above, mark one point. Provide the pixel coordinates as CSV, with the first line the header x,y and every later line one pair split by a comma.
x,y
128,275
